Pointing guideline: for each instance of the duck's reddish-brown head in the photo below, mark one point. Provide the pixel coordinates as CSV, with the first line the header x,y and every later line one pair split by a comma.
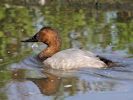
x,y
48,36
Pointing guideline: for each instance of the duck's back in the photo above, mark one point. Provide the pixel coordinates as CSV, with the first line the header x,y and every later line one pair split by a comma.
x,y
72,59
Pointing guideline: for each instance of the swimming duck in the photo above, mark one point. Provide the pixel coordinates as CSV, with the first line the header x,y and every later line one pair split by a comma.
x,y
66,59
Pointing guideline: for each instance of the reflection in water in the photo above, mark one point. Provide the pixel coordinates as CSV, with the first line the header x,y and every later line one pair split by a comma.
x,y
49,85
56,86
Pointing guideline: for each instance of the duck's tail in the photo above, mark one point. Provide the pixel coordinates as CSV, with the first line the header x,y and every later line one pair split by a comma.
x,y
108,62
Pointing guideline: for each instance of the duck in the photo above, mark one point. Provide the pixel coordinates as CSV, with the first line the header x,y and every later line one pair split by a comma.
x,y
67,59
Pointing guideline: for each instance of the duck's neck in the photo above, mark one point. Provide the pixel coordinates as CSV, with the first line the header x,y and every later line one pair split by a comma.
x,y
52,48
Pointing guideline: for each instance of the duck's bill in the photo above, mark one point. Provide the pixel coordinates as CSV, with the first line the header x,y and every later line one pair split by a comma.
x,y
33,39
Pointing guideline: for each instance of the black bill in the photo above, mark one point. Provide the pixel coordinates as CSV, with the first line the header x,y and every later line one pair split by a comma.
x,y
33,39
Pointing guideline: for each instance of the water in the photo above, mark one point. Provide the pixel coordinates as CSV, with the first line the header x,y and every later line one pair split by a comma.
x,y
103,27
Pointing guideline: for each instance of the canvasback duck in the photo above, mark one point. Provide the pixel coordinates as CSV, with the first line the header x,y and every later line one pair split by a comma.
x,y
66,59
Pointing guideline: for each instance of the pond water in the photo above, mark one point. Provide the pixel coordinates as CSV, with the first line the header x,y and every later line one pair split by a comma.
x,y
103,27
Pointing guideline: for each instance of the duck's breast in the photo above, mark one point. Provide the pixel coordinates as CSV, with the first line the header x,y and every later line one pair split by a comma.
x,y
73,58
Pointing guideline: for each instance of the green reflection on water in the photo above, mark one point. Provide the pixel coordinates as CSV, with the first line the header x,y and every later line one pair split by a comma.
x,y
5,76
3,96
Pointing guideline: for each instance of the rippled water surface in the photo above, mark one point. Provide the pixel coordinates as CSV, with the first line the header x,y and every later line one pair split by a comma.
x,y
103,27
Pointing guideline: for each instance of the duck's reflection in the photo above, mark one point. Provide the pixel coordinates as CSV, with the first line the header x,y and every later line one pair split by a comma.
x,y
49,85
54,85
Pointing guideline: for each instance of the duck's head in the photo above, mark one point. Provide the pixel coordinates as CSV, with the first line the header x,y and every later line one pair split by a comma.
x,y
48,36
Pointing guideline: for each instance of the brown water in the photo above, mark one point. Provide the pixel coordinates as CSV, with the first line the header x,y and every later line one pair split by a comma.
x,y
103,27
